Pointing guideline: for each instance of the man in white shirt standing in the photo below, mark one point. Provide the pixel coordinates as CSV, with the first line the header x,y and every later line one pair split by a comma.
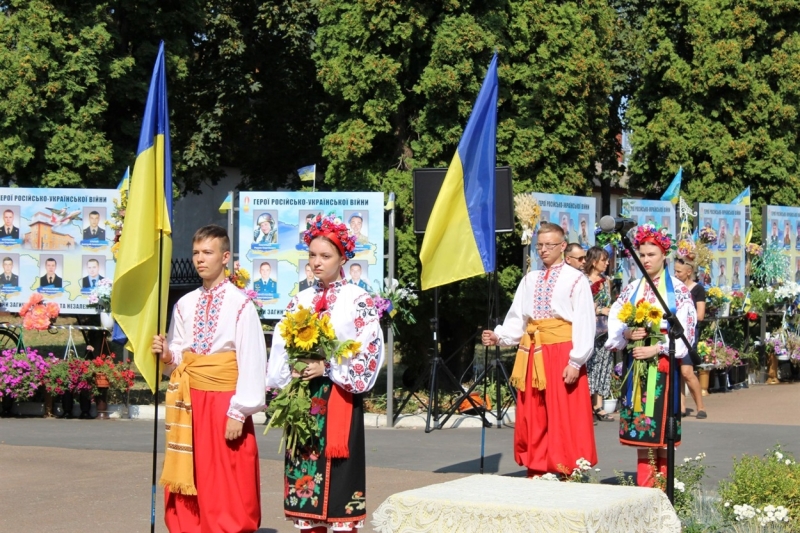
x,y
216,346
552,319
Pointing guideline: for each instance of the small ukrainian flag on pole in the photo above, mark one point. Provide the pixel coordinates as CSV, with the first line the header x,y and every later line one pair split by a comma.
x,y
308,173
674,191
227,204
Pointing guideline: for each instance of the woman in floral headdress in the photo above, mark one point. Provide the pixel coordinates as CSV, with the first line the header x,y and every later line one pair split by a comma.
x,y
643,419
325,483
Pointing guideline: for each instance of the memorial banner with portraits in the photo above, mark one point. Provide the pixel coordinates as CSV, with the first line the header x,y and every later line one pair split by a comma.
x,y
575,214
780,226
657,212
727,253
271,247
55,242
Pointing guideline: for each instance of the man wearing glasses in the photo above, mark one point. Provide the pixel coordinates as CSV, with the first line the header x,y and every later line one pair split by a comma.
x,y
575,255
552,319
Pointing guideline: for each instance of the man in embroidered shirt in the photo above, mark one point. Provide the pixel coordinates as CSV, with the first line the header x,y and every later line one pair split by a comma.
x,y
216,346
552,319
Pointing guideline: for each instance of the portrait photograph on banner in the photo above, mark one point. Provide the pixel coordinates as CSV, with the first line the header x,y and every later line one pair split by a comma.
x,y
720,227
55,242
660,213
575,214
781,229
271,245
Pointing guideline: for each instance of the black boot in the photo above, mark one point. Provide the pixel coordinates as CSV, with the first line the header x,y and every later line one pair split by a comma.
x,y
67,404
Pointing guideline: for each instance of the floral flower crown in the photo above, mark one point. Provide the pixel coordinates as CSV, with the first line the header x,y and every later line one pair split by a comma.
x,y
332,229
653,234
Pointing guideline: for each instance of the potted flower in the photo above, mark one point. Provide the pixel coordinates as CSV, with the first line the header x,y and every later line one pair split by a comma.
x,y
100,299
110,378
717,301
21,373
737,302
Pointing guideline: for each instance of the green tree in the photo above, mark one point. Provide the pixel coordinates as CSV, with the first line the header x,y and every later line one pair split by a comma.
x,y
54,65
402,78
718,95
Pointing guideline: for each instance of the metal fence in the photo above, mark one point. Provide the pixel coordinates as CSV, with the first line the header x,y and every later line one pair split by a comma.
x,y
184,274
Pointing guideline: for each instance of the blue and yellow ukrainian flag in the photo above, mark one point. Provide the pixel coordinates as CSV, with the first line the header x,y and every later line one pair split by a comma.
x,y
308,173
140,290
227,204
459,241
744,199
673,192
125,182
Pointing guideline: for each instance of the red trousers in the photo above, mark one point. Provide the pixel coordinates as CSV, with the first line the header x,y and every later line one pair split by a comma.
x,y
554,427
226,474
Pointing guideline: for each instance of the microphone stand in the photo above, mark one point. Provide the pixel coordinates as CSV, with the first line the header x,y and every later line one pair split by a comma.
x,y
675,332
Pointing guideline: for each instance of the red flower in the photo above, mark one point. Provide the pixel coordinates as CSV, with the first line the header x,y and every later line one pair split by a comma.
x,y
359,322
358,368
370,303
360,386
663,364
752,316
373,364
305,486
372,348
319,406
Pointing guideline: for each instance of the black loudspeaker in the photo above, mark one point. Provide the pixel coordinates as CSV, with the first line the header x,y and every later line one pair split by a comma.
x,y
428,181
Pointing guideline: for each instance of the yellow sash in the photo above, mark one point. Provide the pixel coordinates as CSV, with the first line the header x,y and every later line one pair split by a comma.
x,y
216,373
537,334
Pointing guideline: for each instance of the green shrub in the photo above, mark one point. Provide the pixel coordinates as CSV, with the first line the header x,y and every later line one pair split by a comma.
x,y
761,481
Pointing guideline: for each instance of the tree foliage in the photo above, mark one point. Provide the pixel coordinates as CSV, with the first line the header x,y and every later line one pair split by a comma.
x,y
401,79
719,95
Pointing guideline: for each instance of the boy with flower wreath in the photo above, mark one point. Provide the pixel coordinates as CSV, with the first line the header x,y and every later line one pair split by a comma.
x,y
216,351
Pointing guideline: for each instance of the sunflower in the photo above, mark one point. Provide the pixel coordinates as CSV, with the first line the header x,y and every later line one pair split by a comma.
x,y
302,317
654,315
325,327
641,314
625,312
288,330
307,337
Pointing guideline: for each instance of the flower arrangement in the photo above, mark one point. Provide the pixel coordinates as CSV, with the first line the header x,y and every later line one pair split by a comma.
x,y
707,235
754,249
240,278
702,256
56,380
787,292
777,346
686,247
118,219
100,297
648,316
651,231
528,213
716,298
616,381
330,224
737,301
721,356
21,372
38,314
394,300
771,267
307,336
120,376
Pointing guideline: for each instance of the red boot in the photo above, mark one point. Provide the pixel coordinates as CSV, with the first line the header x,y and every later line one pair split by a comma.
x,y
661,464
645,473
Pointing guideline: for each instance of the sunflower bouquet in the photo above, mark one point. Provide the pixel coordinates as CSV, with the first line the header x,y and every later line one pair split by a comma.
x,y
307,335
648,316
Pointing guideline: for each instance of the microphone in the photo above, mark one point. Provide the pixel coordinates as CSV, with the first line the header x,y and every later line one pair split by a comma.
x,y
622,225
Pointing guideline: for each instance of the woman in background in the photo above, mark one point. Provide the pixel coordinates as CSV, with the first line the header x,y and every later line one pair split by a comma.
x,y
598,367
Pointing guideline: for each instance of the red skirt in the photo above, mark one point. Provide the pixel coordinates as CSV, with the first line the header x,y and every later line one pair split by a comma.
x,y
226,474
554,427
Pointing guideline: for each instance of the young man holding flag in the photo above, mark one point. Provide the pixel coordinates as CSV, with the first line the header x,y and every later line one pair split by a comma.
x,y
552,319
216,348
